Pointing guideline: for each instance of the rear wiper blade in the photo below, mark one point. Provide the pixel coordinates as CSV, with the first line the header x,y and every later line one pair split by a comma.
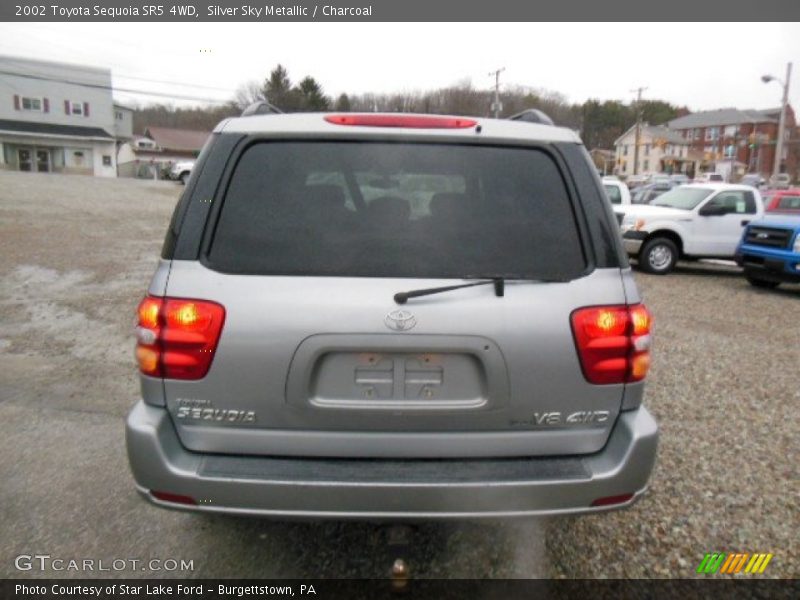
x,y
498,281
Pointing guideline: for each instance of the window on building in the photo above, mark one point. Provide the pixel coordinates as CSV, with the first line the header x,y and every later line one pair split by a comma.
x,y
106,160
646,149
31,103
624,167
625,150
731,131
645,165
712,134
76,108
118,115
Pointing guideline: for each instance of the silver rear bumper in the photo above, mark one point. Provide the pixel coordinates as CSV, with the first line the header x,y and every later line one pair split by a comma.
x,y
389,489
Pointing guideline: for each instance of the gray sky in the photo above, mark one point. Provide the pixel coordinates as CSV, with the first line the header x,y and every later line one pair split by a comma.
x,y
700,65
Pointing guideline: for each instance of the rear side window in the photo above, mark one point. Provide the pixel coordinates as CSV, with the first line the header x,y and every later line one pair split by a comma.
x,y
735,202
365,209
613,193
789,202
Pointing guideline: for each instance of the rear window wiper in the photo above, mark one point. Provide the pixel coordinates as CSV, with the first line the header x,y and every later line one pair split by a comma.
x,y
499,282
499,289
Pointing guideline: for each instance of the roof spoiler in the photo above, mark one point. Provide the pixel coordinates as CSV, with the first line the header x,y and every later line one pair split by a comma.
x,y
262,107
532,115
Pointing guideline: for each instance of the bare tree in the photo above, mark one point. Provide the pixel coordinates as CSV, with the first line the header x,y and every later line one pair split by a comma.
x,y
247,93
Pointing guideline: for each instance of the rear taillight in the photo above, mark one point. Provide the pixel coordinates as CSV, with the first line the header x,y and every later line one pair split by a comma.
x,y
177,337
611,500
613,342
409,121
173,498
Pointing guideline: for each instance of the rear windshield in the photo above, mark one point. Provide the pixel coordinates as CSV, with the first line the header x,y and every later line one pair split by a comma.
x,y
358,209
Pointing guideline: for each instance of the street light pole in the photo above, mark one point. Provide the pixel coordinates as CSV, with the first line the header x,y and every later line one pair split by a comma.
x,y
776,168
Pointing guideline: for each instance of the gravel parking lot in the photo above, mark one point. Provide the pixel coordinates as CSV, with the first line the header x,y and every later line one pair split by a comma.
x,y
78,253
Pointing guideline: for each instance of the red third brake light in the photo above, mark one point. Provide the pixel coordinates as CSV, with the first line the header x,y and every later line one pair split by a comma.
x,y
409,121
613,342
177,337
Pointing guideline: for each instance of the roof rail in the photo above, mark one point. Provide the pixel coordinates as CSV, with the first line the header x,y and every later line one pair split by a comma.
x,y
532,115
262,107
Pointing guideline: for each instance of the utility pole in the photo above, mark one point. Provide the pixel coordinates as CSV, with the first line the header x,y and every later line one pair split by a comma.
x,y
638,134
496,106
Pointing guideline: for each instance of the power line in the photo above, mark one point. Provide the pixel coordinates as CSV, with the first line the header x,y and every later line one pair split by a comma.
x,y
32,70
25,65
178,83
117,89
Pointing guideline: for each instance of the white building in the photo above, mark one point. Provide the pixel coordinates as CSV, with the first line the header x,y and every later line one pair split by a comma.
x,y
57,118
661,150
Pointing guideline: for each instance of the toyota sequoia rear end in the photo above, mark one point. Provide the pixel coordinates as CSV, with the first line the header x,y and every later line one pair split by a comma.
x,y
392,317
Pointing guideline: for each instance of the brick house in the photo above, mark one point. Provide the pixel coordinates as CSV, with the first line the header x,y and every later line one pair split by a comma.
x,y
740,139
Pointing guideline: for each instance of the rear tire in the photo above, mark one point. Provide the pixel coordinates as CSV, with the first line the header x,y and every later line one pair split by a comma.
x,y
761,283
184,178
658,256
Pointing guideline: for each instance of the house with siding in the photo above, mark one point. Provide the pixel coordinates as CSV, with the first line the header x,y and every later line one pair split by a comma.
x,y
154,152
660,151
56,118
123,123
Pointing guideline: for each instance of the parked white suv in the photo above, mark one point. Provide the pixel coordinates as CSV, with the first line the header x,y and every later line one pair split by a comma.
x,y
781,181
691,221
709,178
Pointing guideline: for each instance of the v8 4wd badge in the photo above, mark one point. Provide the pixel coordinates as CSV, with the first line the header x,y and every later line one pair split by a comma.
x,y
555,418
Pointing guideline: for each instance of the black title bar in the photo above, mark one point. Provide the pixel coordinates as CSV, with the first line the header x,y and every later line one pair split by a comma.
x,y
377,589
402,10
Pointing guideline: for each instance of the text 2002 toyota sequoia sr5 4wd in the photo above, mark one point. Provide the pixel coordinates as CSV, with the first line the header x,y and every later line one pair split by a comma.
x,y
392,316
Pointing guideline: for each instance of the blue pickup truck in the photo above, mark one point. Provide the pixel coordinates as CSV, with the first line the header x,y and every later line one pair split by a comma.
x,y
769,250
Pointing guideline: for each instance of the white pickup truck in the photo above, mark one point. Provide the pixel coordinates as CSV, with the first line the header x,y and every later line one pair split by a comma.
x,y
691,221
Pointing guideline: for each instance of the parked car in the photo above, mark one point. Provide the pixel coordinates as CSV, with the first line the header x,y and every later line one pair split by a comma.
x,y
634,181
755,180
679,179
690,221
781,181
662,180
769,250
181,171
646,194
392,316
616,190
782,200
709,178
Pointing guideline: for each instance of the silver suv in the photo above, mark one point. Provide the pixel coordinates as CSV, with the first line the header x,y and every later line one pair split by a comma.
x,y
392,316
